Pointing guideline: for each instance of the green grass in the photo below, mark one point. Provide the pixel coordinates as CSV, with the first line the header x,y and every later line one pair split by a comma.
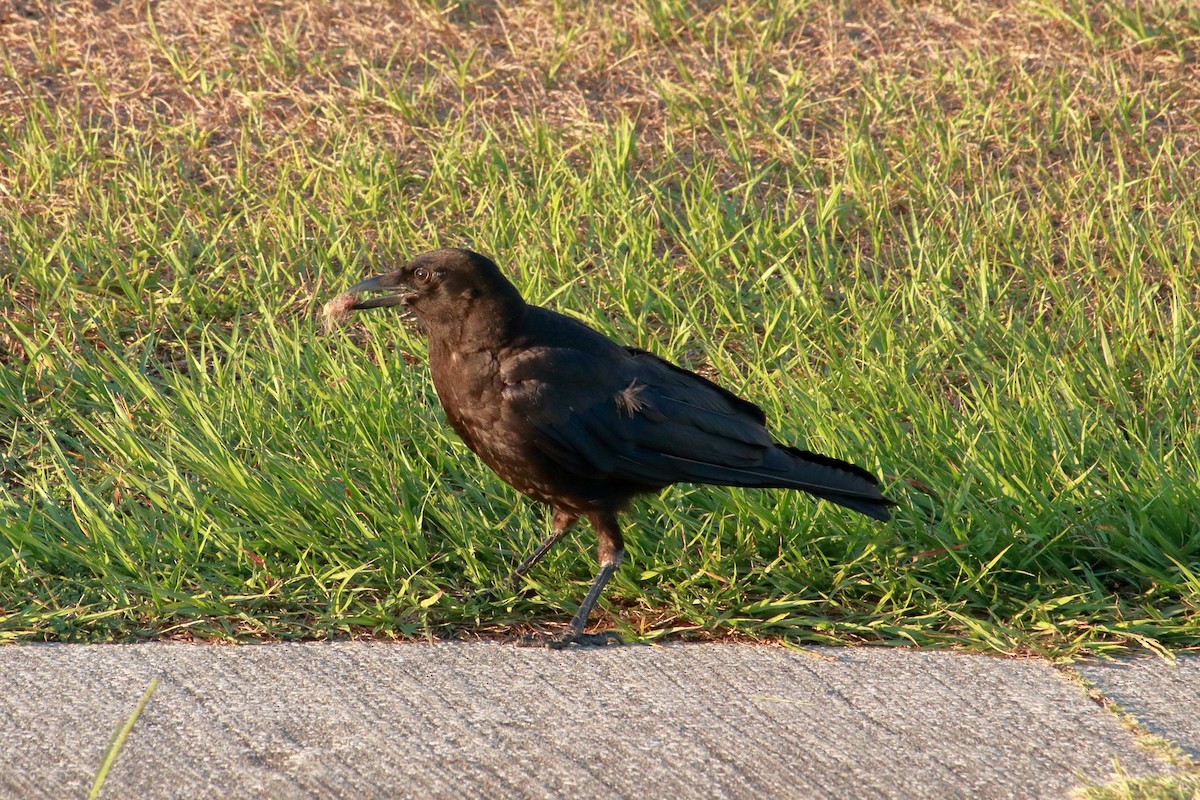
x,y
955,245
1157,787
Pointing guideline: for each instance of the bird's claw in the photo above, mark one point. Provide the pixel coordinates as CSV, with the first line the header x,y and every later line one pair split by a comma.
x,y
601,639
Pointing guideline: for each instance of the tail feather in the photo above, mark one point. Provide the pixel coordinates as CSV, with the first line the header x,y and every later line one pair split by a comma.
x,y
876,509
838,482
785,467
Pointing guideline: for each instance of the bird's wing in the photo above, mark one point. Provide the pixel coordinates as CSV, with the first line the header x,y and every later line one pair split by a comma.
x,y
633,417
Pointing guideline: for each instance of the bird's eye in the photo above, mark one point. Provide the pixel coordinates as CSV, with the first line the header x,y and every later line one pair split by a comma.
x,y
422,275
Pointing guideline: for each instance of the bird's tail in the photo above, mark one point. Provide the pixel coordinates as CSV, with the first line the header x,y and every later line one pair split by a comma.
x,y
832,479
785,467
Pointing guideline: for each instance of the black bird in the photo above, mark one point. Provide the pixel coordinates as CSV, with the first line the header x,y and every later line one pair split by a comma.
x,y
572,419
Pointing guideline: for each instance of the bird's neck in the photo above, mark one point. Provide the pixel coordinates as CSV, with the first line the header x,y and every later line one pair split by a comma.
x,y
488,322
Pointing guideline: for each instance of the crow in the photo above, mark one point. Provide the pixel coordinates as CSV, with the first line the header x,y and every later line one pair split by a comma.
x,y
576,421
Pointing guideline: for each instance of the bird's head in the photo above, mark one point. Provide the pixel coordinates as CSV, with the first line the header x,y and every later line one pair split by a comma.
x,y
439,287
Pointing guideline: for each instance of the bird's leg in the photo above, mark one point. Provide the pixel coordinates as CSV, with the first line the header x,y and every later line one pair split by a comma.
x,y
562,522
611,551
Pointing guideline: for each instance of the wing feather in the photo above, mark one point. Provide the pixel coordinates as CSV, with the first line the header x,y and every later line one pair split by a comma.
x,y
646,421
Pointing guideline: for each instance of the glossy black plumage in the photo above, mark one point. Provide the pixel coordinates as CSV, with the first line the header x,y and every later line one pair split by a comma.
x,y
572,419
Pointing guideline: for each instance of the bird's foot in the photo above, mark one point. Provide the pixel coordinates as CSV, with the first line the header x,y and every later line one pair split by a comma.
x,y
600,639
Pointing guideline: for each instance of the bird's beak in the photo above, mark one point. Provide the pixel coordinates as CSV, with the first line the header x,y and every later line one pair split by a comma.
x,y
381,283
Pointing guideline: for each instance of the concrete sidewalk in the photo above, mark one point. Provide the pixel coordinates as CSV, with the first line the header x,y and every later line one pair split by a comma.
x,y
372,720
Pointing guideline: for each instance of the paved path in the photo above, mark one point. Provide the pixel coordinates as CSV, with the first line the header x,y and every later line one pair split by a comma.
x,y
371,720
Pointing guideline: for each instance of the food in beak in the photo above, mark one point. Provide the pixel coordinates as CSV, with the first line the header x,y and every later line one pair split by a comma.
x,y
337,311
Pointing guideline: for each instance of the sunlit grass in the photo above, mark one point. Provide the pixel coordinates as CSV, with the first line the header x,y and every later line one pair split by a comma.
x,y
970,272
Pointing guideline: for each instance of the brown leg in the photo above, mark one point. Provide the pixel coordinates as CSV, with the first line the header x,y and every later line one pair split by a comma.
x,y
561,523
611,551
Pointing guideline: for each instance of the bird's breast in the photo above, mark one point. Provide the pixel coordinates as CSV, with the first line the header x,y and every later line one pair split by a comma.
x,y
471,390
468,386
